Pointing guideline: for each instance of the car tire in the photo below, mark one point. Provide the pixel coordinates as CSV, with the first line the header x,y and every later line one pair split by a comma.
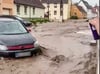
x,y
37,52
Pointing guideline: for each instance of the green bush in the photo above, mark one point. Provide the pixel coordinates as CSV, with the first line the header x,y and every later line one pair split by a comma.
x,y
73,17
46,20
38,20
34,21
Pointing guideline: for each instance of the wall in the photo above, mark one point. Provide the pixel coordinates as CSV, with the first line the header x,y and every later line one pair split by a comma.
x,y
69,8
7,5
79,14
38,12
57,17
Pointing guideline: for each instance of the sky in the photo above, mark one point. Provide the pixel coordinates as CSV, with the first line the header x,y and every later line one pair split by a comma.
x,y
91,2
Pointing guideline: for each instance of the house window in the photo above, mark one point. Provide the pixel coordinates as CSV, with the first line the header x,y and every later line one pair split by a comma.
x,y
33,10
55,5
25,9
61,13
48,6
18,9
55,12
75,13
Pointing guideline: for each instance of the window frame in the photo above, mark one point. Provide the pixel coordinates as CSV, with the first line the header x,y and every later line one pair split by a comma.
x,y
55,5
25,9
33,10
55,12
18,9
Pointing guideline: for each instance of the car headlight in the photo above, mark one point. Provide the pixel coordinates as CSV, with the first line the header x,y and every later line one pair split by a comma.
x,y
2,47
36,44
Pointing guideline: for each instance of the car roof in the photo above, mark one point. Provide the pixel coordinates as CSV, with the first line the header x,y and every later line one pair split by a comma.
x,y
12,16
6,19
9,16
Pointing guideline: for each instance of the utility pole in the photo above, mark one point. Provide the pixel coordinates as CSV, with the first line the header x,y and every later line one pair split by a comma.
x,y
71,8
61,10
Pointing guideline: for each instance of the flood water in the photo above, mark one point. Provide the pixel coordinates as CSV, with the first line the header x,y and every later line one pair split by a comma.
x,y
66,50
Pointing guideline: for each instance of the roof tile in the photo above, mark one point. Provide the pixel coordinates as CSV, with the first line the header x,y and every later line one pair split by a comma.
x,y
54,1
35,3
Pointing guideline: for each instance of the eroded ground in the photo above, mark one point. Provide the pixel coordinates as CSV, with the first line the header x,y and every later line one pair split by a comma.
x,y
66,50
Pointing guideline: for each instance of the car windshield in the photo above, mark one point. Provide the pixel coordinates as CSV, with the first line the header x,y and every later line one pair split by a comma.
x,y
11,27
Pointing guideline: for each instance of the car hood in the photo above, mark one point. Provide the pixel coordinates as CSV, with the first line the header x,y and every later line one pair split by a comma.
x,y
20,39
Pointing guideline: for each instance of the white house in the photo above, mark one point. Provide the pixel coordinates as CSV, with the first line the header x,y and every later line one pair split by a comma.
x,y
57,10
28,8
87,8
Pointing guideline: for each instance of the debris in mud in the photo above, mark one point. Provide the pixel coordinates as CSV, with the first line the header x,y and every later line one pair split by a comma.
x,y
59,60
93,44
84,43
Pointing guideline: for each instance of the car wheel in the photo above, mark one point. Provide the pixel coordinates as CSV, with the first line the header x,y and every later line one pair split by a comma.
x,y
37,52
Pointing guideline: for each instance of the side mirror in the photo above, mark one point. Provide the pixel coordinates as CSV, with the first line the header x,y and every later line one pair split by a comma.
x,y
28,24
29,30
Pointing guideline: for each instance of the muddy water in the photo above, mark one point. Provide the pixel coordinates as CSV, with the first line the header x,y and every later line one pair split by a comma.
x,y
66,50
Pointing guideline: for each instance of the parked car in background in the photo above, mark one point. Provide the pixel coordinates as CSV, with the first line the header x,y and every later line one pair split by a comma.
x,y
24,21
15,39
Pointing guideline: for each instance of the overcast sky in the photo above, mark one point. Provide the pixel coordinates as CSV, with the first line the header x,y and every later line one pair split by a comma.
x,y
91,2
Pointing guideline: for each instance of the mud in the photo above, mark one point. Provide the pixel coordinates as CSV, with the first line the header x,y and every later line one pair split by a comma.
x,y
65,50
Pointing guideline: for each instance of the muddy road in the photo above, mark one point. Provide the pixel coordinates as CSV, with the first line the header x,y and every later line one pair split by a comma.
x,y
66,50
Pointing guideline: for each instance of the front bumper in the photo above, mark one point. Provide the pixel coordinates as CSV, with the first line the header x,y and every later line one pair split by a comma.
x,y
8,53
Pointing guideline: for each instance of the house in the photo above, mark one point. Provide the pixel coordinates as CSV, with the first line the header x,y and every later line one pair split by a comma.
x,y
95,10
6,7
87,7
28,8
57,10
78,11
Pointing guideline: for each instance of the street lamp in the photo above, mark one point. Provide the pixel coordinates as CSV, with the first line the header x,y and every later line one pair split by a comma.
x,y
61,10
